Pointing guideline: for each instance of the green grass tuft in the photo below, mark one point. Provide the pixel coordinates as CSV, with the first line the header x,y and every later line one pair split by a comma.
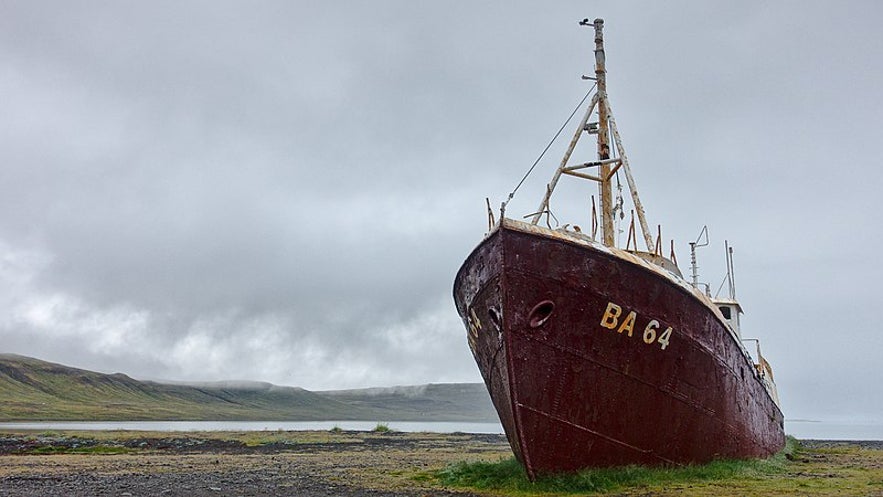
x,y
97,449
508,476
382,428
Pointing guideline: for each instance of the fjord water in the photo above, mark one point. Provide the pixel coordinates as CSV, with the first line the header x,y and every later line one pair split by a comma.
x,y
801,429
404,426
823,430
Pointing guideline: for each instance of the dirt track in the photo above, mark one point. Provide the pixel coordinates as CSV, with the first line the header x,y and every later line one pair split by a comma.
x,y
193,465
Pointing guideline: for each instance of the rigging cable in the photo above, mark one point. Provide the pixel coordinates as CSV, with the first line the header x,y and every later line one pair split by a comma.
x,y
578,106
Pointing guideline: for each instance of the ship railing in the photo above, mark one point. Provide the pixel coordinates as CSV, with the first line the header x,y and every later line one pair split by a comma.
x,y
764,371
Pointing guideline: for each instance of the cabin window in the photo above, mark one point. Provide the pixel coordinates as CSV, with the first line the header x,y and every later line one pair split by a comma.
x,y
726,312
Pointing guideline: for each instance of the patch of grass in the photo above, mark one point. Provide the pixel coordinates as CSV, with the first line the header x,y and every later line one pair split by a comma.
x,y
508,476
423,476
336,429
382,428
103,449
96,449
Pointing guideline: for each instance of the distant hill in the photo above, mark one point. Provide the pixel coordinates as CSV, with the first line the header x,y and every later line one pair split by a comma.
x,y
31,389
452,401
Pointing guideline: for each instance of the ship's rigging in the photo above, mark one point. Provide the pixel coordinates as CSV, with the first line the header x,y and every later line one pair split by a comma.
x,y
609,162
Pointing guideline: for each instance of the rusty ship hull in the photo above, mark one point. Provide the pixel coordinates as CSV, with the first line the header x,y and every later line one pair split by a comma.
x,y
595,357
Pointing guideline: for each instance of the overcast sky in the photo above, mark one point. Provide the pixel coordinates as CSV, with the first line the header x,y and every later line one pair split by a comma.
x,y
284,191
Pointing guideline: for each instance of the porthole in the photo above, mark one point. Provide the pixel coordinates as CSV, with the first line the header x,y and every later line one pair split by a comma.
x,y
540,313
495,317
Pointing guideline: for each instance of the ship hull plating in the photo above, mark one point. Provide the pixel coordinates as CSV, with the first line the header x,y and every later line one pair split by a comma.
x,y
595,358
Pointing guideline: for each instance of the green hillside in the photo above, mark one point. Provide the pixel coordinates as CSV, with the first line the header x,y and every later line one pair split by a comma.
x,y
31,389
451,401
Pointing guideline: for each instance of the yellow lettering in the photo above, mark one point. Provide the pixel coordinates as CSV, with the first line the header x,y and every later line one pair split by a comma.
x,y
611,316
474,322
628,324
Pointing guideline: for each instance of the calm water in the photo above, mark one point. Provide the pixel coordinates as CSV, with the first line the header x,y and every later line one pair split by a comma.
x,y
821,430
801,429
405,426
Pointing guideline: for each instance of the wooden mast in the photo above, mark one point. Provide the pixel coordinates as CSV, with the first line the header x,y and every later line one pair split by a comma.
x,y
603,138
607,167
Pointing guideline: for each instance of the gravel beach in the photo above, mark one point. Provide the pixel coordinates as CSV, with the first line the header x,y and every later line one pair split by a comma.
x,y
237,464
348,464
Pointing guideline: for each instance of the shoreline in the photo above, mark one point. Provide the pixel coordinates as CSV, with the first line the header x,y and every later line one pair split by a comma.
x,y
800,429
339,463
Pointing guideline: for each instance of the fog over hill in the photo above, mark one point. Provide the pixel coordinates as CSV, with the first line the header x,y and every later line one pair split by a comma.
x,y
31,389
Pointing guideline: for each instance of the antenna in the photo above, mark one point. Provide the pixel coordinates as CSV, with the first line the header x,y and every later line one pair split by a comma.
x,y
730,272
693,246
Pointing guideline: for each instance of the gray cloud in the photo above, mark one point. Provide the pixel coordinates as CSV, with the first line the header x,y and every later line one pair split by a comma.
x,y
284,191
